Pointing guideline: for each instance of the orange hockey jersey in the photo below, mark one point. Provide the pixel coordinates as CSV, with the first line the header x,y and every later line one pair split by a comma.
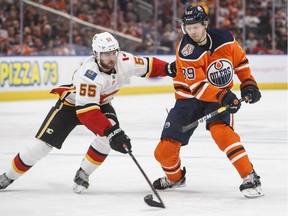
x,y
202,71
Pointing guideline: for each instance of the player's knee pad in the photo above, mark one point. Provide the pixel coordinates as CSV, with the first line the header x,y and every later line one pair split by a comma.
x,y
101,144
34,152
167,151
223,135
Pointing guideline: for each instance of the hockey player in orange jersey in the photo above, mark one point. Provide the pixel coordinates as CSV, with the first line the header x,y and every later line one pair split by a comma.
x,y
206,61
87,101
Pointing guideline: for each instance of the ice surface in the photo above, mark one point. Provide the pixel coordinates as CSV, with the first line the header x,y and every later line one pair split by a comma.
x,y
118,187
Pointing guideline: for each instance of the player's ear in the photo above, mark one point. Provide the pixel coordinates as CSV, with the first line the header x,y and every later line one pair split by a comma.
x,y
206,24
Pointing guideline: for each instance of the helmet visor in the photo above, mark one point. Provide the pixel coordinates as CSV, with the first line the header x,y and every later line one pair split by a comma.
x,y
111,55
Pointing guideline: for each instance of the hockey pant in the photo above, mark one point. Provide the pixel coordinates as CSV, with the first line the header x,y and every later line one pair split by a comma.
x,y
167,152
58,124
221,129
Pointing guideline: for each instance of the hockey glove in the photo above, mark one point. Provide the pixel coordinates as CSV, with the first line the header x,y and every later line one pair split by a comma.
x,y
118,139
249,87
170,69
228,98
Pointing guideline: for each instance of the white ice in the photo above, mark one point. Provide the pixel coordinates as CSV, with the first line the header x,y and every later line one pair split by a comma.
x,y
118,187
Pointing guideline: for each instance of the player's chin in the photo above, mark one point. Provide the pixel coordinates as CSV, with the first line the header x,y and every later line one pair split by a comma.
x,y
196,39
109,66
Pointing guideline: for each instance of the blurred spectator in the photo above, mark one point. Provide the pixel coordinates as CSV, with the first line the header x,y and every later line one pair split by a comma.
x,y
251,42
169,36
4,44
147,46
260,48
281,40
223,15
61,5
130,13
44,33
11,35
38,44
24,50
251,21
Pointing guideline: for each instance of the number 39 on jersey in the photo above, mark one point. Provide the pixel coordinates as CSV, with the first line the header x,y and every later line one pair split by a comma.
x,y
189,73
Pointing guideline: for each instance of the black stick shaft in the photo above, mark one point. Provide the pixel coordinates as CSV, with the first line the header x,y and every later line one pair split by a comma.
x,y
188,127
146,177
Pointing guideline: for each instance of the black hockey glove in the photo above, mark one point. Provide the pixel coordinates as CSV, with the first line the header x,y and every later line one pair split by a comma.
x,y
249,88
228,98
118,139
170,69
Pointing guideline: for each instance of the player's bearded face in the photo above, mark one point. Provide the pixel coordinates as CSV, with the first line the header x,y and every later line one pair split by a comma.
x,y
196,31
108,59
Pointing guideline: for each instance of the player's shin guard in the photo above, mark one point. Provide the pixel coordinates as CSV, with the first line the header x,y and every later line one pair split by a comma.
x,y
26,158
95,156
167,154
229,142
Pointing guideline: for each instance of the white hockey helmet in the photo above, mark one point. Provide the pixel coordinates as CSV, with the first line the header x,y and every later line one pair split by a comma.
x,y
104,42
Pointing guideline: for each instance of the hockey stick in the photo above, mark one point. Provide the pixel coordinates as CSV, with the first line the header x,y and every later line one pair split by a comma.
x,y
188,127
148,198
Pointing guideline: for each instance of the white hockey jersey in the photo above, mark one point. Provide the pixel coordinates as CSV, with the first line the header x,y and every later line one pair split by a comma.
x,y
92,88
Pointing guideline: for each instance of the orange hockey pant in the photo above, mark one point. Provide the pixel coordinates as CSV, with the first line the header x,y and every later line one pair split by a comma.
x,y
167,152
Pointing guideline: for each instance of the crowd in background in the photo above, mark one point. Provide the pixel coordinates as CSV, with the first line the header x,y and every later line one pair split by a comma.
x,y
45,33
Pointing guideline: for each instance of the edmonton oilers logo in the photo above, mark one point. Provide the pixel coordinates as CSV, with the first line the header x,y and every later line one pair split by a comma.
x,y
220,73
167,124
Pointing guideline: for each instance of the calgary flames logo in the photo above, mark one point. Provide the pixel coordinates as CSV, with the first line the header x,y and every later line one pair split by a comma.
x,y
220,73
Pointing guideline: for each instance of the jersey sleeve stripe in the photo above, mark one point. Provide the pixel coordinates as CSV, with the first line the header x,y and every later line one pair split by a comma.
x,y
149,67
184,95
241,67
63,91
86,108
202,90
182,88
244,61
193,86
180,83
197,88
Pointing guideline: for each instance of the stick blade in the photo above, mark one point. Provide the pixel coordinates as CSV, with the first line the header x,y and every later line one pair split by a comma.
x,y
149,200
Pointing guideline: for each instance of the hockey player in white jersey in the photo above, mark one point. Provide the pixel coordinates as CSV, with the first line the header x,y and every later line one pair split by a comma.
x,y
87,101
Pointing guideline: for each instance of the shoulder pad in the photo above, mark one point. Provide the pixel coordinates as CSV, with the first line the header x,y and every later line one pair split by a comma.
x,y
188,49
89,69
220,37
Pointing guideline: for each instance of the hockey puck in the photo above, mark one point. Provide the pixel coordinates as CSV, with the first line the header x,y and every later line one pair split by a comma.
x,y
148,197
